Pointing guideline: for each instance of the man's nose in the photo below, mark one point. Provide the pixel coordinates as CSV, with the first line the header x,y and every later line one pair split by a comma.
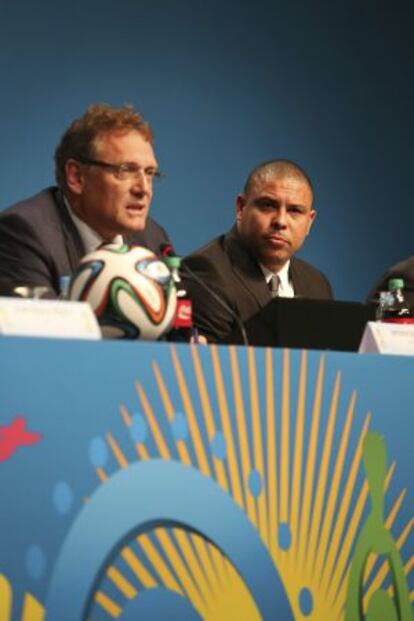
x,y
279,217
141,182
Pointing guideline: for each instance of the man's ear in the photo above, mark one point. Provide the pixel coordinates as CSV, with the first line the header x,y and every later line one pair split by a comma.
x,y
311,220
74,176
240,204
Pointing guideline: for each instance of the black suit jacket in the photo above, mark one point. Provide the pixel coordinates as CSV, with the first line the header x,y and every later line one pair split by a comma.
x,y
227,268
39,242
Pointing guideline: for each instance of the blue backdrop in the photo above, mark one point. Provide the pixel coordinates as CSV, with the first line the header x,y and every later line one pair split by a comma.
x,y
225,86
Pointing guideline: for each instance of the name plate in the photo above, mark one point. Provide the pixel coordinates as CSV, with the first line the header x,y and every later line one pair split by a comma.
x,y
43,318
388,338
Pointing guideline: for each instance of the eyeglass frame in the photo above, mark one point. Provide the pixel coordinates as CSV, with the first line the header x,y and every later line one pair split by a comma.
x,y
125,167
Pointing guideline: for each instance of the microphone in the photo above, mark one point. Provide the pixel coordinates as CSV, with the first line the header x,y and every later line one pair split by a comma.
x,y
167,252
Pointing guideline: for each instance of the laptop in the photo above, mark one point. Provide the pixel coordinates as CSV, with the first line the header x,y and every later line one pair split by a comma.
x,y
305,323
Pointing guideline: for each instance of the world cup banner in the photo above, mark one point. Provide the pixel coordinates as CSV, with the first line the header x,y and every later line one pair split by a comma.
x,y
155,481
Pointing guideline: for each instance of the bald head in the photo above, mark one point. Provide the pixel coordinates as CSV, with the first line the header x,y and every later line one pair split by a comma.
x,y
276,169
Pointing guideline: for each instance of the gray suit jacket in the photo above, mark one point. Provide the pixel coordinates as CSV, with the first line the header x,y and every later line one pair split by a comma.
x,y
39,242
227,268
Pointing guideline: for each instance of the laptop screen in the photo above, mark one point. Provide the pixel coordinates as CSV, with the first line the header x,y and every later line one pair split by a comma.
x,y
310,324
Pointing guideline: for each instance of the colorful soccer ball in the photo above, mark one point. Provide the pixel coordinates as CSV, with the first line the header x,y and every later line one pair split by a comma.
x,y
131,291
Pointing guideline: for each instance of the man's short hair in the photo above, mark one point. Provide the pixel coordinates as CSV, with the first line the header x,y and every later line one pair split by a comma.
x,y
81,139
279,169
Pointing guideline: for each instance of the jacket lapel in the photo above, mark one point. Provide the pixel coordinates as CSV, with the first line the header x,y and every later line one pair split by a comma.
x,y
75,249
300,282
246,269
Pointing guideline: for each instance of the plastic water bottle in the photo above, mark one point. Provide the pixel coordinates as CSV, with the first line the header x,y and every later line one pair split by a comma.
x,y
385,300
397,309
182,328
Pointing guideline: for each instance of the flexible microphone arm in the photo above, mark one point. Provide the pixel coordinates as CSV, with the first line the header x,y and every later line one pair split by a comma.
x,y
218,299
167,252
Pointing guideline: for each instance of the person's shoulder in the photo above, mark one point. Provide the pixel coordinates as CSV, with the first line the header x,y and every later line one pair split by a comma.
x,y
403,268
305,267
209,250
207,261
36,206
152,226
309,281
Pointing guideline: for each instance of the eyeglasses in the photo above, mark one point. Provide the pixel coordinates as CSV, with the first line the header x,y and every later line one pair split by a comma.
x,y
126,171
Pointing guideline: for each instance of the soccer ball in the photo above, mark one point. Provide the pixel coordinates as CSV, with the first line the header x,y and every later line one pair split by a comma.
x,y
131,291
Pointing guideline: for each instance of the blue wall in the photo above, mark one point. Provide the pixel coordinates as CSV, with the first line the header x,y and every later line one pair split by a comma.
x,y
225,86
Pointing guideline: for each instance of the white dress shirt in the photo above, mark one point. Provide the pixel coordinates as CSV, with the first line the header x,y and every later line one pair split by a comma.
x,y
285,289
90,238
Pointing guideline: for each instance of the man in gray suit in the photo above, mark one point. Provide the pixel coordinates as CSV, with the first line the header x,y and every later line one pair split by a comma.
x,y
255,260
105,169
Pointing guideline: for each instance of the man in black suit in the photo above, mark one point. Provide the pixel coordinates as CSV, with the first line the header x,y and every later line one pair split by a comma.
x,y
105,169
255,260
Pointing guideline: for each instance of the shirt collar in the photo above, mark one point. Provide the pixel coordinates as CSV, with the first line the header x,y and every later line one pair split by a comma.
x,y
90,238
285,285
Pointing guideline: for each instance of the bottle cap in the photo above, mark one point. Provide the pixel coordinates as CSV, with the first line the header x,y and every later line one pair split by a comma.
x,y
395,283
172,262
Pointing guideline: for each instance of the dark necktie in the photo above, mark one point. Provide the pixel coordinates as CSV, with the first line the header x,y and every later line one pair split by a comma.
x,y
273,285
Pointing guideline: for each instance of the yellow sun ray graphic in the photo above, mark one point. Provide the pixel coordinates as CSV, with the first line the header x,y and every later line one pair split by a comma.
x,y
271,453
123,585
138,568
332,570
307,487
107,604
299,541
117,452
292,462
207,413
159,440
140,447
285,440
241,423
188,408
5,599
32,609
258,460
318,537
178,569
322,559
169,410
298,462
224,417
